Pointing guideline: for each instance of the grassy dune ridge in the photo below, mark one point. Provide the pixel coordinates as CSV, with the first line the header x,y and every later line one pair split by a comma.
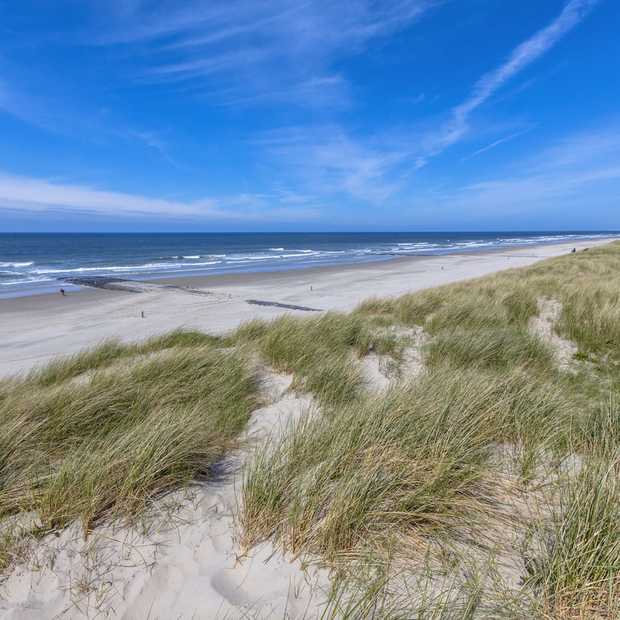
x,y
488,486
98,446
318,351
416,458
424,464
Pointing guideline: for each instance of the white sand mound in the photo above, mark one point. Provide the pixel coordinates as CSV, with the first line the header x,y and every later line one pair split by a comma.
x,y
379,371
185,564
543,325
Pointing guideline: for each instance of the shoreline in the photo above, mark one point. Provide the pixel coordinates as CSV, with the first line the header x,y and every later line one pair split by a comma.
x,y
35,328
254,277
81,279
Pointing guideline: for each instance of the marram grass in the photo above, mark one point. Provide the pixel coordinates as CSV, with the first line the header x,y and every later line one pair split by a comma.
x,y
364,479
105,445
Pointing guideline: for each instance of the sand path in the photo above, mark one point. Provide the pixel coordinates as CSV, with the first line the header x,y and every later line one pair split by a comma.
x,y
187,565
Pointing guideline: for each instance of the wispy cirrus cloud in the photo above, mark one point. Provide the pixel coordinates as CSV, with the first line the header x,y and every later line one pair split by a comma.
x,y
521,57
255,51
580,169
249,52
496,143
65,117
30,194
330,160
196,24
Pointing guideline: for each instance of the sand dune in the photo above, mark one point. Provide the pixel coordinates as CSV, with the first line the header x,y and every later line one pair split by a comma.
x,y
185,562
185,559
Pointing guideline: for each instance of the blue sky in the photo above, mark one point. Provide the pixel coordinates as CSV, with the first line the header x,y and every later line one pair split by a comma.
x,y
160,115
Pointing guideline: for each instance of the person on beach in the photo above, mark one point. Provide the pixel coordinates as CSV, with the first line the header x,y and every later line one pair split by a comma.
x,y
62,292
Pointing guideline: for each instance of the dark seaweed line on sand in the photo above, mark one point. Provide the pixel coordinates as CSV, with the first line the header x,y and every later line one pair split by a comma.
x,y
276,304
127,286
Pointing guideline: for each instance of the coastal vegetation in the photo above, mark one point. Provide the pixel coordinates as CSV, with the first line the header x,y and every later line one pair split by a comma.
x,y
91,439
493,446
485,486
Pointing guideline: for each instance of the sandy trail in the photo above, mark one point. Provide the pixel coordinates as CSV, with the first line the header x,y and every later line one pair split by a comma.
x,y
35,329
187,564
543,325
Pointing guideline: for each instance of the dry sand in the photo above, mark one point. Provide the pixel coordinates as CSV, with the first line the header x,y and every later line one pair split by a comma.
x,y
35,329
543,326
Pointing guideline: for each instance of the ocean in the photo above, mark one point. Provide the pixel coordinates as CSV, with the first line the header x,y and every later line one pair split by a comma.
x,y
40,263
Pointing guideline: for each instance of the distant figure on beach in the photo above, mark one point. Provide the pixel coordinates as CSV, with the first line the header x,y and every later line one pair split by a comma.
x,y
62,292
142,314
573,250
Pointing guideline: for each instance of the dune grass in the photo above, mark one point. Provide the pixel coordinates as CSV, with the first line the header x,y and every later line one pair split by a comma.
x,y
397,472
576,568
495,301
584,283
345,479
415,460
105,446
319,351
111,351
498,348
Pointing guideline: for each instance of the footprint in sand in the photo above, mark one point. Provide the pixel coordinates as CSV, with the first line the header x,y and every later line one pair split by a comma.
x,y
228,586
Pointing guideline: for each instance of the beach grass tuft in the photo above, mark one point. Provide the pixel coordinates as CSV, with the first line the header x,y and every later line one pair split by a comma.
x,y
576,567
321,352
111,351
103,447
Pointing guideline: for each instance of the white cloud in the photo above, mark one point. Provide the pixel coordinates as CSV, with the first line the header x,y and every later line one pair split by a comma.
x,y
331,159
19,193
520,58
315,91
582,169
497,143
255,51
66,117
243,52
328,160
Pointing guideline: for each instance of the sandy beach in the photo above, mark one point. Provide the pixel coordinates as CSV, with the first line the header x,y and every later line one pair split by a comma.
x,y
35,329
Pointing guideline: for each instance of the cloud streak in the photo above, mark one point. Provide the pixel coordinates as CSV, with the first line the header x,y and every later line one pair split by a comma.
x,y
261,51
334,160
329,158
497,143
581,169
28,194
521,57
